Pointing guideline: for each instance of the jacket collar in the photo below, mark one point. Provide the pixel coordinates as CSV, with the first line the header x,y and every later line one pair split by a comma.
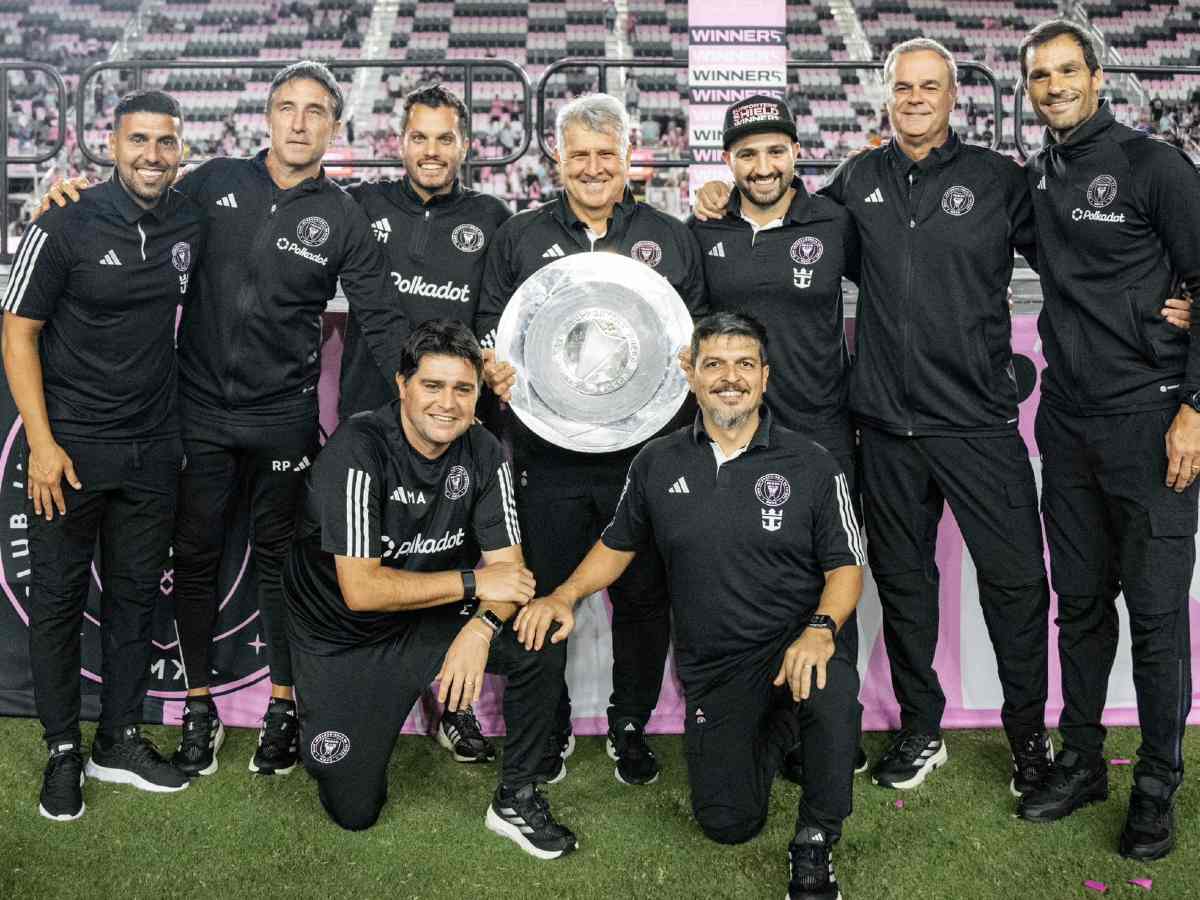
x,y
114,193
801,210
762,434
621,212
1102,120
405,189
938,157
308,184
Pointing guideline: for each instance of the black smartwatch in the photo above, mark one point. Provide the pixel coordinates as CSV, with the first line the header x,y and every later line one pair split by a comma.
x,y
468,580
1192,400
490,619
820,620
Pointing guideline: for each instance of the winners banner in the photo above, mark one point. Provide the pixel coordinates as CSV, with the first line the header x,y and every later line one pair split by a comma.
x,y
735,50
964,660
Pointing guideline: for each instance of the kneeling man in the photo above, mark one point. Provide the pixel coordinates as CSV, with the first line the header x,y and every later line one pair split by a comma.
x,y
756,526
383,597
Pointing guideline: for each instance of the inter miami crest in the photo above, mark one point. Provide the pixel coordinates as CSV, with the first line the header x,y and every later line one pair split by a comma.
x,y
329,747
1102,191
457,482
467,238
647,252
181,256
958,200
807,250
313,231
772,491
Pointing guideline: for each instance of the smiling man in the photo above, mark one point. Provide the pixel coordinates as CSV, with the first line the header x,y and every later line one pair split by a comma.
x,y
383,594
89,351
567,497
738,505
1118,220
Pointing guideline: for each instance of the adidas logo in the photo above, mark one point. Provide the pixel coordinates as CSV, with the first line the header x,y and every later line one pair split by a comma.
x,y
110,259
718,250
1041,185
554,252
876,196
679,487
228,200
382,229
629,726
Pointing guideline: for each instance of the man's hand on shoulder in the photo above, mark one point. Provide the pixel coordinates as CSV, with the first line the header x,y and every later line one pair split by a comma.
x,y
711,200
61,193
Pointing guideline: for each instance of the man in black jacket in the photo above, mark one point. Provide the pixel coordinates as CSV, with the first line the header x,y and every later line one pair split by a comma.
x,y
433,233
568,497
1118,216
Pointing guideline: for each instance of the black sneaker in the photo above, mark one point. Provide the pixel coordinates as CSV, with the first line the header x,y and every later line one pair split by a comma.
x,y
636,763
62,784
1031,760
459,733
1149,831
278,739
793,764
1072,783
811,860
133,759
553,767
909,760
202,736
523,816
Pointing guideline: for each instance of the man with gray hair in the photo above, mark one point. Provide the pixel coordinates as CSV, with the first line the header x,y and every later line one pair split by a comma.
x,y
567,498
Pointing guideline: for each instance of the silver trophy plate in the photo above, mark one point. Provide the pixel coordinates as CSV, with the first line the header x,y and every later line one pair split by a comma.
x,y
594,338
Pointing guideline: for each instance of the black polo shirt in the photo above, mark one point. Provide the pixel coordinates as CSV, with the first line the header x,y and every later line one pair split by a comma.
x,y
1118,223
746,543
370,495
107,277
434,251
933,333
537,237
789,277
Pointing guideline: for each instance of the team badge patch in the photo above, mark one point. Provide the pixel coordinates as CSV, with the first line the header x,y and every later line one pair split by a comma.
x,y
329,747
807,250
1102,191
313,231
772,490
958,200
181,256
457,482
647,252
467,238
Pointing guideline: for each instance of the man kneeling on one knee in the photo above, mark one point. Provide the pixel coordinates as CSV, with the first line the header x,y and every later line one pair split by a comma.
x,y
763,556
383,596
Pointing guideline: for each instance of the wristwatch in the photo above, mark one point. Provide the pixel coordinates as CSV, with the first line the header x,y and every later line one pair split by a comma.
x,y
820,620
490,619
1192,400
468,580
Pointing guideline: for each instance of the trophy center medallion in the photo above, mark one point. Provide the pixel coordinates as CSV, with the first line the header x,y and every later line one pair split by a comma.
x,y
596,351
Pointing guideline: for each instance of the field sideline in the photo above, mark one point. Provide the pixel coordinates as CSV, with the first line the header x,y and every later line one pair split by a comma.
x,y
234,835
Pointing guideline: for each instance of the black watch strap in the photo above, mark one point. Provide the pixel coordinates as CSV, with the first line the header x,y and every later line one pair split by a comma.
x,y
491,620
820,620
468,580
1192,399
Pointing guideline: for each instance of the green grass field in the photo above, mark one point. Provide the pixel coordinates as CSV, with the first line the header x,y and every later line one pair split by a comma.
x,y
236,835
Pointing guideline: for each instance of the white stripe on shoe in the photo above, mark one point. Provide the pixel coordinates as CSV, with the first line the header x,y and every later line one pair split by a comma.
x,y
124,776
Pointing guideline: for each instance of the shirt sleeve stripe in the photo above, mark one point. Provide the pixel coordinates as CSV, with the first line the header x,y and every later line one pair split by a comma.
x,y
22,269
358,526
508,500
849,522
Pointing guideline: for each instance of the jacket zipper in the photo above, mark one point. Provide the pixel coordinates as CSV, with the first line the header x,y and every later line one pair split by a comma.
x,y
907,343
248,292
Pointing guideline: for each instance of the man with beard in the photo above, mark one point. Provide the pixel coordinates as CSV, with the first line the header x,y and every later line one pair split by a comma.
x,y
89,320
382,594
1118,216
764,561
568,497
433,232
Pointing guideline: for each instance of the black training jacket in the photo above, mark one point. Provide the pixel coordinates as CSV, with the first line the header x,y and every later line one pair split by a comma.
x,y
1118,225
790,279
250,342
933,353
537,237
434,253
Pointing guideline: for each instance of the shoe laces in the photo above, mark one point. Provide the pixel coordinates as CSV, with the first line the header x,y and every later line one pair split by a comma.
x,y
1030,753
142,750
279,731
466,723
533,808
197,728
908,745
1146,811
811,864
62,771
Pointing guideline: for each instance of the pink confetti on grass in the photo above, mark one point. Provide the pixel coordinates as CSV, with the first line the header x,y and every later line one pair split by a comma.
x,y
1120,762
1143,883
1098,886
899,804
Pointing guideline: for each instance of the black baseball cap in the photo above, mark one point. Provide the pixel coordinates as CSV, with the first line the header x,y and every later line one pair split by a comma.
x,y
757,114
